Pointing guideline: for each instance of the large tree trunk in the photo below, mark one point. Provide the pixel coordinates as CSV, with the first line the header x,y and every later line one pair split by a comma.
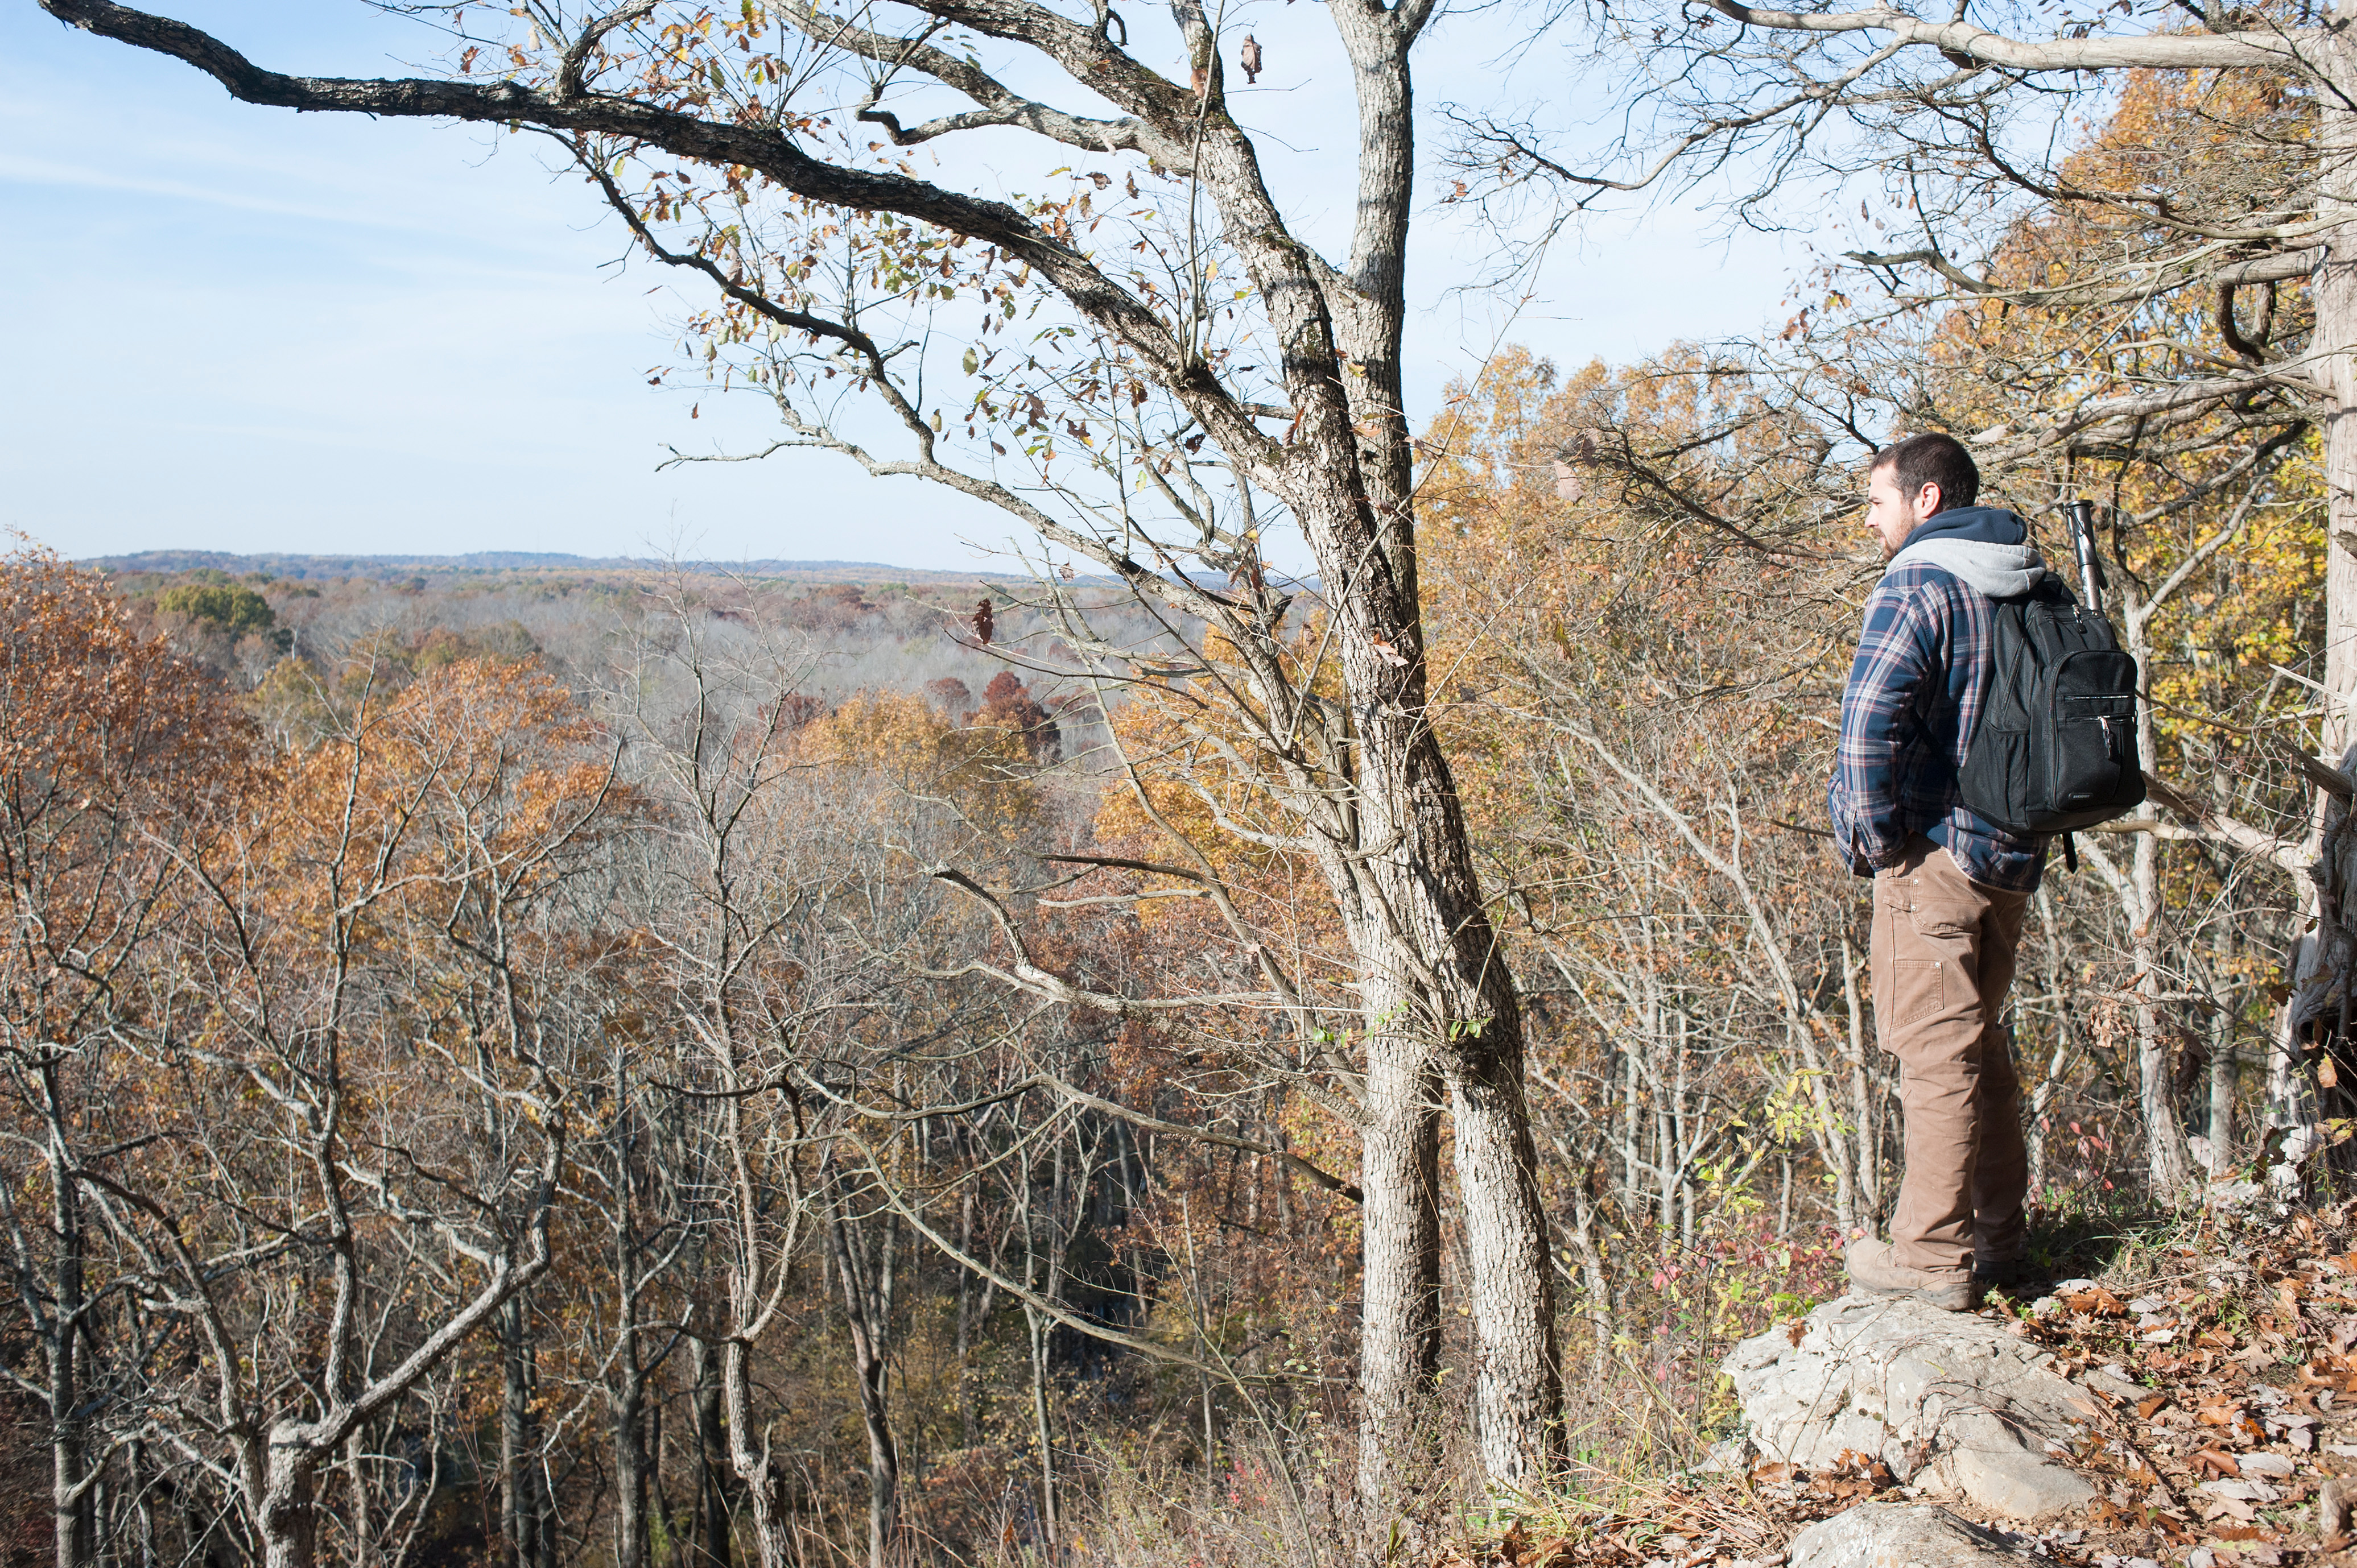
x,y
1439,1003
2324,957
1399,1314
1431,963
2335,292
286,1513
1518,1379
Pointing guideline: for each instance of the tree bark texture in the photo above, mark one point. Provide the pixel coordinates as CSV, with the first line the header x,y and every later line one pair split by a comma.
x,y
712,1536
286,1512
631,1469
1518,1377
1399,1277
2334,289
764,1479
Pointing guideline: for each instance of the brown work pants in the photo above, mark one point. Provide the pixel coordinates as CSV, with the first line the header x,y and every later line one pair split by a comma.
x,y
1942,955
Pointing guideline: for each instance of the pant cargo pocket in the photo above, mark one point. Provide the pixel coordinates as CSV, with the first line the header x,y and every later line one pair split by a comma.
x,y
1918,989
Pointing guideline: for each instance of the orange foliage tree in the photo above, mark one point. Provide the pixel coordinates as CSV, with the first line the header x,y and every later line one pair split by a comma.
x,y
118,762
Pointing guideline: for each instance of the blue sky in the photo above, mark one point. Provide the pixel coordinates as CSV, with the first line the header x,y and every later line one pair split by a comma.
x,y
239,328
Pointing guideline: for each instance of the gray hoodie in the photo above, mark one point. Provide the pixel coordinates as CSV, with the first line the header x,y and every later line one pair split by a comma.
x,y
2000,571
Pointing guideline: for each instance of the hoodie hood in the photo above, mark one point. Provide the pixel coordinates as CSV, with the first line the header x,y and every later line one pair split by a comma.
x,y
1985,547
1979,524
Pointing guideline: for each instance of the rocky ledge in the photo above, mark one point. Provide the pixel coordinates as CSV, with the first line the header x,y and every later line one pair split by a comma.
x,y
1905,1535
1953,1403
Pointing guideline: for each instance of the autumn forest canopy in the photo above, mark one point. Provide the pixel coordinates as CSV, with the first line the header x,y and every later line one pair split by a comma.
x,y
1300,1020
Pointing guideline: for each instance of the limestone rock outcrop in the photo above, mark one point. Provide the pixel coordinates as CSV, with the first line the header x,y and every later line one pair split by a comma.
x,y
1904,1535
1950,1402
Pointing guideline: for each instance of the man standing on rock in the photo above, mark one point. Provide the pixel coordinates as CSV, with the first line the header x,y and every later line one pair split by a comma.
x,y
1949,887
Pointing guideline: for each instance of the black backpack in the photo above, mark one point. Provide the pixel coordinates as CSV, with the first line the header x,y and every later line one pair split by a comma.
x,y
2055,747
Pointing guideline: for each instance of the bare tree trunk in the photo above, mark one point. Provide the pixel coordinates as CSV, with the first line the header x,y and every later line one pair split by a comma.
x,y
1518,1372
756,1286
868,1315
2324,965
1399,1331
2324,959
2168,1161
711,1540
663,1515
1592,1275
1629,1158
287,1517
1038,1326
763,1477
1666,1091
2222,1095
632,1466
635,1469
2335,292
75,1530
525,1520
2223,1077
1865,1137
969,1417
360,1528
2058,1060
1413,911
143,1492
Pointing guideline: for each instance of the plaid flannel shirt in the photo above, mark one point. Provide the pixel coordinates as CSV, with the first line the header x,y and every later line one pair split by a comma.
x,y
1923,665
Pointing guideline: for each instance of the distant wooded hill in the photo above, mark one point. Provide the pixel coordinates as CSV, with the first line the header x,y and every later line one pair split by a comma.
x,y
845,628
390,567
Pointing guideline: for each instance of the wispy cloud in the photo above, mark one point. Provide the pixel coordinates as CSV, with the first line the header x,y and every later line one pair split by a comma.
x,y
18,169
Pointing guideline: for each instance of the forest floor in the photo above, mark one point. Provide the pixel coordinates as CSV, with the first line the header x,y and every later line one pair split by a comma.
x,y
2238,1329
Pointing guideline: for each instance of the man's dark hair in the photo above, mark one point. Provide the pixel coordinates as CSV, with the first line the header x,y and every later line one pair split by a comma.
x,y
1932,458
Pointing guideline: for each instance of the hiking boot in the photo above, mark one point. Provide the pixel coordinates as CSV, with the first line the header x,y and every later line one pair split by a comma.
x,y
1874,1271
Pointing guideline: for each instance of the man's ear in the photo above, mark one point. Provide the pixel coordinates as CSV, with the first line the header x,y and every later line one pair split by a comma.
x,y
1928,502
